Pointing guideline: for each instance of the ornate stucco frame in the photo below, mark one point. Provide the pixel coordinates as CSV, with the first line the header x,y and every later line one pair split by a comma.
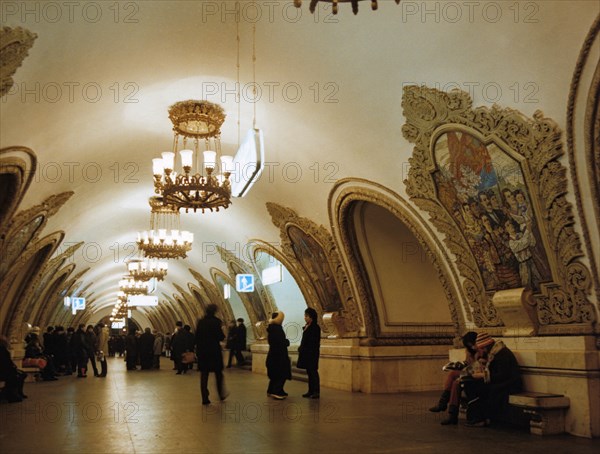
x,y
538,141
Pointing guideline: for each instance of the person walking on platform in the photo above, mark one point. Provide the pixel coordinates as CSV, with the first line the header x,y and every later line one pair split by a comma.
x,y
209,334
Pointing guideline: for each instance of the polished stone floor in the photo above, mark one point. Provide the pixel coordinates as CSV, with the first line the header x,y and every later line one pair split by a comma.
x,y
160,412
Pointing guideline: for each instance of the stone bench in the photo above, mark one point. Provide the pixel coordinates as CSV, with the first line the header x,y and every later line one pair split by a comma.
x,y
33,374
545,412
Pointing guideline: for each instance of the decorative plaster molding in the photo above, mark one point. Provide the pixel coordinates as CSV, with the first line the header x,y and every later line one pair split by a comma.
x,y
20,163
317,263
536,145
224,306
14,47
28,266
586,78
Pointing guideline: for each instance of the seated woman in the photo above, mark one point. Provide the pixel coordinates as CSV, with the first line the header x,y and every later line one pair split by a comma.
x,y
452,390
11,375
34,350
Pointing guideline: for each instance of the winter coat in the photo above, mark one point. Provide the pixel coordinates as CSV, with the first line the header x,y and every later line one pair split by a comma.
x,y
182,342
158,344
239,341
308,351
103,340
279,366
209,335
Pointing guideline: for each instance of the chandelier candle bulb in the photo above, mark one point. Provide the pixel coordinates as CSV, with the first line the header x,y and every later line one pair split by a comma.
x,y
187,158
210,159
168,158
157,167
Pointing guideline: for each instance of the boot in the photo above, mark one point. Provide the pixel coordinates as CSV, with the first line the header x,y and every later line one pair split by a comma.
x,y
442,404
452,418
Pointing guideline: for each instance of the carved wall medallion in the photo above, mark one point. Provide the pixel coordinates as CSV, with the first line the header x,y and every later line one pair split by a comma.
x,y
14,47
530,149
348,193
312,249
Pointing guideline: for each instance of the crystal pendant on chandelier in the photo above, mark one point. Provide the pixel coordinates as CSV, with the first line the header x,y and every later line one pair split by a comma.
x,y
164,240
197,186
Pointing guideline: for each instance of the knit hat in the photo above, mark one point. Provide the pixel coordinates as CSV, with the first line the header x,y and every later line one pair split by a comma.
x,y
483,340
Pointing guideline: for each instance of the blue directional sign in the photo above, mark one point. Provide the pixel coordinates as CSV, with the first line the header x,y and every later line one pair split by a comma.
x,y
244,283
78,303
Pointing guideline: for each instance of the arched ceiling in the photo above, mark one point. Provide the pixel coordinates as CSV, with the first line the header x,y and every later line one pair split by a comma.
x,y
91,100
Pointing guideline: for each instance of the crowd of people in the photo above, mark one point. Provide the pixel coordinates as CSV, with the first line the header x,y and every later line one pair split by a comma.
x,y
482,382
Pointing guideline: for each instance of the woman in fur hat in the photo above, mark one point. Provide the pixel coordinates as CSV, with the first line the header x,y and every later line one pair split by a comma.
x,y
279,367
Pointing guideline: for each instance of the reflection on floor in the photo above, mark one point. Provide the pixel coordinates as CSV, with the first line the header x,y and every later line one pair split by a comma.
x,y
160,412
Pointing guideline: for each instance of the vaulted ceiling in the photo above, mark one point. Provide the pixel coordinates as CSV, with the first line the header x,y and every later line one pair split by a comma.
x,y
91,100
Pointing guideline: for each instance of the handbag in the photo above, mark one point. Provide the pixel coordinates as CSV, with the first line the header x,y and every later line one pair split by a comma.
x,y
188,357
34,362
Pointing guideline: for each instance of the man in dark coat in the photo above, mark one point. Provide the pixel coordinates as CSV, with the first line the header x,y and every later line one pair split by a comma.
x,y
13,377
91,346
488,392
146,344
240,341
79,351
131,349
279,367
308,353
209,334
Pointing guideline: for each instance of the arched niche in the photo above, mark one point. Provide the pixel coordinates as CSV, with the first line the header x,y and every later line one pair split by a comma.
x,y
583,143
17,169
408,294
20,278
50,298
403,285
192,307
199,296
287,294
236,306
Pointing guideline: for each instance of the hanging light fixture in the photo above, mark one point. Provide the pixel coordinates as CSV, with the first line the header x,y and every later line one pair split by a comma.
x,y
334,4
144,270
197,186
130,286
164,240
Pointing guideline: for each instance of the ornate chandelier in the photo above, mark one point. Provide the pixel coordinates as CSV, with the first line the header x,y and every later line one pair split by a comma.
x,y
164,240
144,270
313,4
119,312
197,187
130,286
